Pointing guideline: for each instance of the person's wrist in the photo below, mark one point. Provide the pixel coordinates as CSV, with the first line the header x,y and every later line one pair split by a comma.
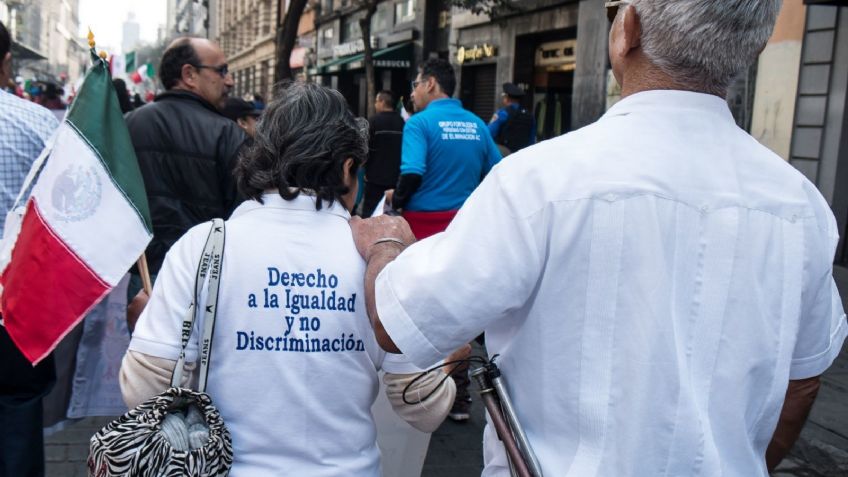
x,y
384,245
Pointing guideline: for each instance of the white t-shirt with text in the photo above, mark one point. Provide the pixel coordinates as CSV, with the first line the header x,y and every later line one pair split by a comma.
x,y
294,361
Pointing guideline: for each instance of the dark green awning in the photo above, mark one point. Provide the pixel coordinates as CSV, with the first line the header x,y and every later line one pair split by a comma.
x,y
396,56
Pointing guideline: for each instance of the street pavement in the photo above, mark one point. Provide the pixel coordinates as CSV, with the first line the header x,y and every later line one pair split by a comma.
x,y
456,448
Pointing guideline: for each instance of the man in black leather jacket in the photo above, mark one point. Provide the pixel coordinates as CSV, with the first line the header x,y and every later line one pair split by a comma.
x,y
186,149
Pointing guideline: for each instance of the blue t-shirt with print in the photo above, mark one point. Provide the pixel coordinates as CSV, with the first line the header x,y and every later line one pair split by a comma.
x,y
451,149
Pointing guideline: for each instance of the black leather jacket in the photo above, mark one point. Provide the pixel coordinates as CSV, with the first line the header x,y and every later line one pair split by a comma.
x,y
186,151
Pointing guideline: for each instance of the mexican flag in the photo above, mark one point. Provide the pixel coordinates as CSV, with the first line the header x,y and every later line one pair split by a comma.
x,y
84,224
118,64
129,62
146,71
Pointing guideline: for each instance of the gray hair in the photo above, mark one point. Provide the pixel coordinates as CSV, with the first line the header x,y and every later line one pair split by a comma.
x,y
705,43
303,138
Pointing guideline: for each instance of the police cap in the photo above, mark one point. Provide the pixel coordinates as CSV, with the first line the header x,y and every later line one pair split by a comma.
x,y
512,90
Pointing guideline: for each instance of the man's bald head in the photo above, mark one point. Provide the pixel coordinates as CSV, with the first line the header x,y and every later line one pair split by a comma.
x,y
180,52
197,65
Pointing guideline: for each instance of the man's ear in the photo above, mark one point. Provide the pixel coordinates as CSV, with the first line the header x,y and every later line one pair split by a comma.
x,y
631,25
188,75
432,84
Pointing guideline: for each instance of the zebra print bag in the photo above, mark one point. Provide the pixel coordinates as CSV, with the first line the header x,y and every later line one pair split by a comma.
x,y
178,432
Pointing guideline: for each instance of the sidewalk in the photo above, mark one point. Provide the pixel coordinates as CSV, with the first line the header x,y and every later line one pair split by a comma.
x,y
66,451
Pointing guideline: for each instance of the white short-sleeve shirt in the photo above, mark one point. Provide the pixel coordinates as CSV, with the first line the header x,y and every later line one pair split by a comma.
x,y
294,360
651,283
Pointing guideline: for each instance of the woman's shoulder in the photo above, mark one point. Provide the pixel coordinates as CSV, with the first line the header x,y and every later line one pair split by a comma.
x,y
192,242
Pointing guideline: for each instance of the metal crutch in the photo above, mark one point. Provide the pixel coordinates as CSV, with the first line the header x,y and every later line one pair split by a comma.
x,y
522,460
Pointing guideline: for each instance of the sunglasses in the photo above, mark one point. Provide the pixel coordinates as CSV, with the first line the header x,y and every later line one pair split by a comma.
x,y
222,70
612,8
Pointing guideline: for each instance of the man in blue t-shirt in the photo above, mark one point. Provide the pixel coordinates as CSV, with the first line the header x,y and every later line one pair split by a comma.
x,y
445,155
446,152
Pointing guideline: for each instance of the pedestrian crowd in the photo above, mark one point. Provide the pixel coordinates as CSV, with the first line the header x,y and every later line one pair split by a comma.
x,y
657,287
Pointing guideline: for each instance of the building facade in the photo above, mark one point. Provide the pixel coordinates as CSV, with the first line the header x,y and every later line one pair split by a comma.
x,y
555,50
799,108
246,32
44,34
819,144
131,34
403,34
191,17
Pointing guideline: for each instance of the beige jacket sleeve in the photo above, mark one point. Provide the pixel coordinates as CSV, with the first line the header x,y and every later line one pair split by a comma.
x,y
143,376
428,414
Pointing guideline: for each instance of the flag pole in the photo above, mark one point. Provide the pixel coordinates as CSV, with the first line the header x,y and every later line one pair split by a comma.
x,y
145,274
143,270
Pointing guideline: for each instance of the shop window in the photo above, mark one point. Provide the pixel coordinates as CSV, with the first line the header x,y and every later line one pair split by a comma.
x,y
382,18
351,29
326,37
266,18
478,90
404,11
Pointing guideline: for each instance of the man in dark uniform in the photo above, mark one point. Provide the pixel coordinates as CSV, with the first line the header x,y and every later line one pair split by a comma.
x,y
383,166
513,127
244,113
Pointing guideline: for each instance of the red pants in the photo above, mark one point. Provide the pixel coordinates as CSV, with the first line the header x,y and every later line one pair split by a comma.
x,y
425,224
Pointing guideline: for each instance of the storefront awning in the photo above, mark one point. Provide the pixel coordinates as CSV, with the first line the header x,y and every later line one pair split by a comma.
x,y
396,56
23,52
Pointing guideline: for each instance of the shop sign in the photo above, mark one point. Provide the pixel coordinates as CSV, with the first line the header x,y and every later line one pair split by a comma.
x,y
556,53
474,53
306,41
378,63
352,47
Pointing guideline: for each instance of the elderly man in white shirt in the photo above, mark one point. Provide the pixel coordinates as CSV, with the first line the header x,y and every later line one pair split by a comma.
x,y
657,284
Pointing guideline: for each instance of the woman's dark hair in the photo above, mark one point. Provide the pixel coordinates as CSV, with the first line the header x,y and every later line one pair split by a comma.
x,y
442,71
180,52
123,95
302,140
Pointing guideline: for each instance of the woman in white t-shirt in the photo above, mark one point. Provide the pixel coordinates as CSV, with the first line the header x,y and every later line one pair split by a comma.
x,y
294,363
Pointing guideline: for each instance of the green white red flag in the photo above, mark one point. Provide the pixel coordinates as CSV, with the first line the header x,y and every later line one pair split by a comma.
x,y
83,226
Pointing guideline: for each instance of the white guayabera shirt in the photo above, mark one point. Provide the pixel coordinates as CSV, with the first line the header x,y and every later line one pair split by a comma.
x,y
651,282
